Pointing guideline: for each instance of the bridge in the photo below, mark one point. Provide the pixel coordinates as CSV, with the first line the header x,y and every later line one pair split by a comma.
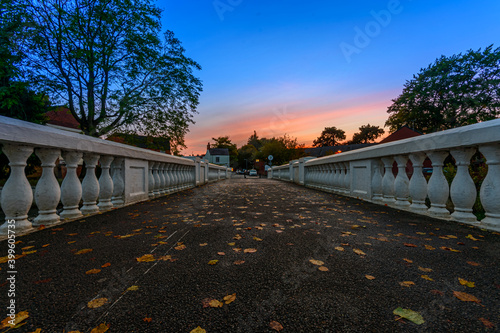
x,y
165,244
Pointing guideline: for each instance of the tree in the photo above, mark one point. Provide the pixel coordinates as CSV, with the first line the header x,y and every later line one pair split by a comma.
x,y
246,156
452,92
283,149
17,98
254,140
107,60
366,134
329,137
225,142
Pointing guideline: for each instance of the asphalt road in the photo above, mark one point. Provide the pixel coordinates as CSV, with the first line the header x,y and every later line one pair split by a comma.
x,y
375,260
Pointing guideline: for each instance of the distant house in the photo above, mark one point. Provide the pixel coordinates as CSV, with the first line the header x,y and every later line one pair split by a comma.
x,y
62,118
161,145
402,133
218,156
331,150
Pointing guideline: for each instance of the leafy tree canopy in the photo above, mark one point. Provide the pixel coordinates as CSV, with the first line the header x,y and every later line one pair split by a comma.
x,y
453,91
367,134
109,63
330,136
225,142
254,140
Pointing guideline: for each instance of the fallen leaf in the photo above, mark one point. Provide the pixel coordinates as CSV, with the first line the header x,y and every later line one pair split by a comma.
x,y
20,316
213,262
167,258
27,247
132,288
437,292
198,330
449,249
275,326
323,268
221,253
466,283
180,247
106,265
71,242
428,247
147,320
370,277
358,251
408,260
426,277
146,258
316,262
250,250
101,328
84,251
471,237
230,298
237,237
407,283
239,262
487,323
338,248
466,297
215,304
452,236
231,244
423,269
257,239
411,315
237,249
203,244
97,303
93,271
409,245
473,263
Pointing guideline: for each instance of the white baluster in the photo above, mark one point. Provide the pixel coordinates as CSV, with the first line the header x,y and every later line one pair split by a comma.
x,y
347,179
90,185
168,178
388,180
105,184
151,180
118,183
463,191
156,191
17,195
418,184
490,189
175,177
47,192
438,188
336,178
377,181
401,184
71,188
330,175
342,178
161,174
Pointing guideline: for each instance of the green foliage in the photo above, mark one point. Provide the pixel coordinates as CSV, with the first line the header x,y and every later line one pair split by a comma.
x,y
109,63
246,156
453,91
330,136
225,142
367,134
255,141
283,149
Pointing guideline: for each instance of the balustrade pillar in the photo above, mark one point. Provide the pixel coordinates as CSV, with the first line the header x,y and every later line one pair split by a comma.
x,y
90,185
156,191
161,174
118,183
347,178
418,184
463,191
105,184
388,180
401,183
330,175
17,195
377,181
47,191
490,189
71,188
438,188
336,178
151,180
175,176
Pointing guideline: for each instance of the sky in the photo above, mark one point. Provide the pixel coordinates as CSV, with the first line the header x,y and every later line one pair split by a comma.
x,y
296,67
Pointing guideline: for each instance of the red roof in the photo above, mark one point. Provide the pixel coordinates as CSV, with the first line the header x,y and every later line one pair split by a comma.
x,y
403,133
62,117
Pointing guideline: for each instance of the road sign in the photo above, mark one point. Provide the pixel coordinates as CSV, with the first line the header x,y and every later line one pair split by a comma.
x,y
267,167
270,157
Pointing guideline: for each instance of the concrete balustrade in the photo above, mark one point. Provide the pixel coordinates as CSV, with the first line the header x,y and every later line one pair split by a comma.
x,y
128,175
368,174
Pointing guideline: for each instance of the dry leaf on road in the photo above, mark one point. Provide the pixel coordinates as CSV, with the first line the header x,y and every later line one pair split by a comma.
x,y
370,277
146,258
97,303
407,283
230,298
275,326
316,262
93,271
466,297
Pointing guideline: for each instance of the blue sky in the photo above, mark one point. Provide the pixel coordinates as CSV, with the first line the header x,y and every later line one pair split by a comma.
x,y
296,67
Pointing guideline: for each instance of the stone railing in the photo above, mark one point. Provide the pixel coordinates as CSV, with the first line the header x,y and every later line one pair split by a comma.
x,y
128,175
368,174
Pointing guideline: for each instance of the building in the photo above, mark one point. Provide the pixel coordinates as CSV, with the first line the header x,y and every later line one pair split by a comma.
x,y
403,132
62,118
158,144
219,156
331,150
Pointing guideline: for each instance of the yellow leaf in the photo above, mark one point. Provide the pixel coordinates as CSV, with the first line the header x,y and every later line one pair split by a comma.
x,y
358,251
166,258
97,303
471,237
250,250
465,297
426,277
20,316
133,288
84,251
180,247
370,277
338,248
407,283
203,244
449,249
231,244
230,298
198,330
316,262
213,262
101,328
428,247
215,304
221,253
423,269
408,260
29,252
93,271
323,268
27,247
257,239
71,242
106,265
464,282
239,262
45,245
276,326
146,258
